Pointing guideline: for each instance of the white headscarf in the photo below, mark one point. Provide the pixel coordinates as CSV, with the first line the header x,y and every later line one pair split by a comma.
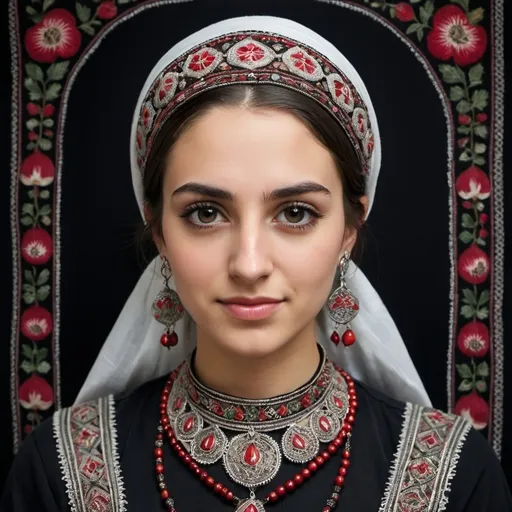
x,y
132,354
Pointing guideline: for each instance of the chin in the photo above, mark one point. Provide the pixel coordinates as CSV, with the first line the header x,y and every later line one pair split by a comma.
x,y
252,341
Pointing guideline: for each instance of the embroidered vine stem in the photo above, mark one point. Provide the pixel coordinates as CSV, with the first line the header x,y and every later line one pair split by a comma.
x,y
473,118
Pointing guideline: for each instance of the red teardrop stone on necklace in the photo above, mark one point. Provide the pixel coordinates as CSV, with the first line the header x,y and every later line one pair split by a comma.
x,y
189,424
298,442
335,338
252,455
178,403
251,508
337,402
208,443
324,423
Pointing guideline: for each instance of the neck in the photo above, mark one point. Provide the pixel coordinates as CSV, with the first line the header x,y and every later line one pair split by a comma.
x,y
267,376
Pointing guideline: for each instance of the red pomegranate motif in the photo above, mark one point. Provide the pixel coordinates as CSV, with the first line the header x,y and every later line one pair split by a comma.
x,y
36,394
473,408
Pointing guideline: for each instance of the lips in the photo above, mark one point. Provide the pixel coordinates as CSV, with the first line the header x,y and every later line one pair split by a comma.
x,y
251,308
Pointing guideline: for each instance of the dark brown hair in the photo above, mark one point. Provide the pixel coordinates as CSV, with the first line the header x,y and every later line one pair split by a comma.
x,y
323,125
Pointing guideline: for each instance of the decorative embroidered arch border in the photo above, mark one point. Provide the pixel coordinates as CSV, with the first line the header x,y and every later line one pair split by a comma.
x,y
41,89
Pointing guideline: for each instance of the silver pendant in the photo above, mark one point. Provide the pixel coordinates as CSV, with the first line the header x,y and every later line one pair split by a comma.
x,y
252,459
209,445
250,505
325,424
300,444
187,425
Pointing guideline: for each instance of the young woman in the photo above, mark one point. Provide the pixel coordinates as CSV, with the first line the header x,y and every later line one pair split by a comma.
x,y
255,156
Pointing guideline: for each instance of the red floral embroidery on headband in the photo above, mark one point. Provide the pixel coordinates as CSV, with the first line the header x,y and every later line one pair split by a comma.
x,y
255,58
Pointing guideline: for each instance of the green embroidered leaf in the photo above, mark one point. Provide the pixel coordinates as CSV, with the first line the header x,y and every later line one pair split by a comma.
x,y
464,130
481,386
475,75
57,71
44,367
482,313
83,12
53,91
415,1
97,23
420,34
27,287
29,298
480,206
31,146
43,293
480,99
32,124
29,276
27,367
480,148
27,351
452,74
120,2
466,237
481,131
469,297
464,371
48,123
42,354
32,86
463,107
484,298
30,10
479,160
46,221
482,370
27,221
88,29
468,221
392,12
426,11
28,208
413,27
45,144
43,277
44,194
481,241
467,311
456,93
30,194
465,156
34,72
466,385
47,4
476,15
45,210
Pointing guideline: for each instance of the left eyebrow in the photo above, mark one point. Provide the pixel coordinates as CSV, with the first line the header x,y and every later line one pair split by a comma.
x,y
298,189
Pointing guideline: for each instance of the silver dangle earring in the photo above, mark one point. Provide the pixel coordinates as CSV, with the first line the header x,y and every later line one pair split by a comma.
x,y
343,307
167,308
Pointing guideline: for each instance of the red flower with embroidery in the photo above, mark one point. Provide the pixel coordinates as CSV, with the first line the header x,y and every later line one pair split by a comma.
x,y
250,52
36,394
36,246
37,170
473,408
473,339
474,265
404,12
55,36
107,11
48,110
304,62
36,323
201,61
473,184
453,36
33,109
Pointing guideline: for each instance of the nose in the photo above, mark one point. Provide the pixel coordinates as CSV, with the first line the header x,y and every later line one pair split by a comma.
x,y
250,258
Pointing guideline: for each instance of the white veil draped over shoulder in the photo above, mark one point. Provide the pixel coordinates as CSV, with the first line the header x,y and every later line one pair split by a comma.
x,y
132,354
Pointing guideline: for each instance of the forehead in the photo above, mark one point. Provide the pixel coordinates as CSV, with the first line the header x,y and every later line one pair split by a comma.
x,y
255,149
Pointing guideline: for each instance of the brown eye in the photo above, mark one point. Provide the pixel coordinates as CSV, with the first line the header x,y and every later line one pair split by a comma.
x,y
294,214
207,215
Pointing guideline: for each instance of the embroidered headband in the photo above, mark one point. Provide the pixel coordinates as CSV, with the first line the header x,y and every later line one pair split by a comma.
x,y
254,58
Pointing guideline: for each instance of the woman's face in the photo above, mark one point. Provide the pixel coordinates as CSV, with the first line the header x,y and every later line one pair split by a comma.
x,y
253,228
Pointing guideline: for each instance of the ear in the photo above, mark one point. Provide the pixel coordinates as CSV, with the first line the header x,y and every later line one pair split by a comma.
x,y
350,235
